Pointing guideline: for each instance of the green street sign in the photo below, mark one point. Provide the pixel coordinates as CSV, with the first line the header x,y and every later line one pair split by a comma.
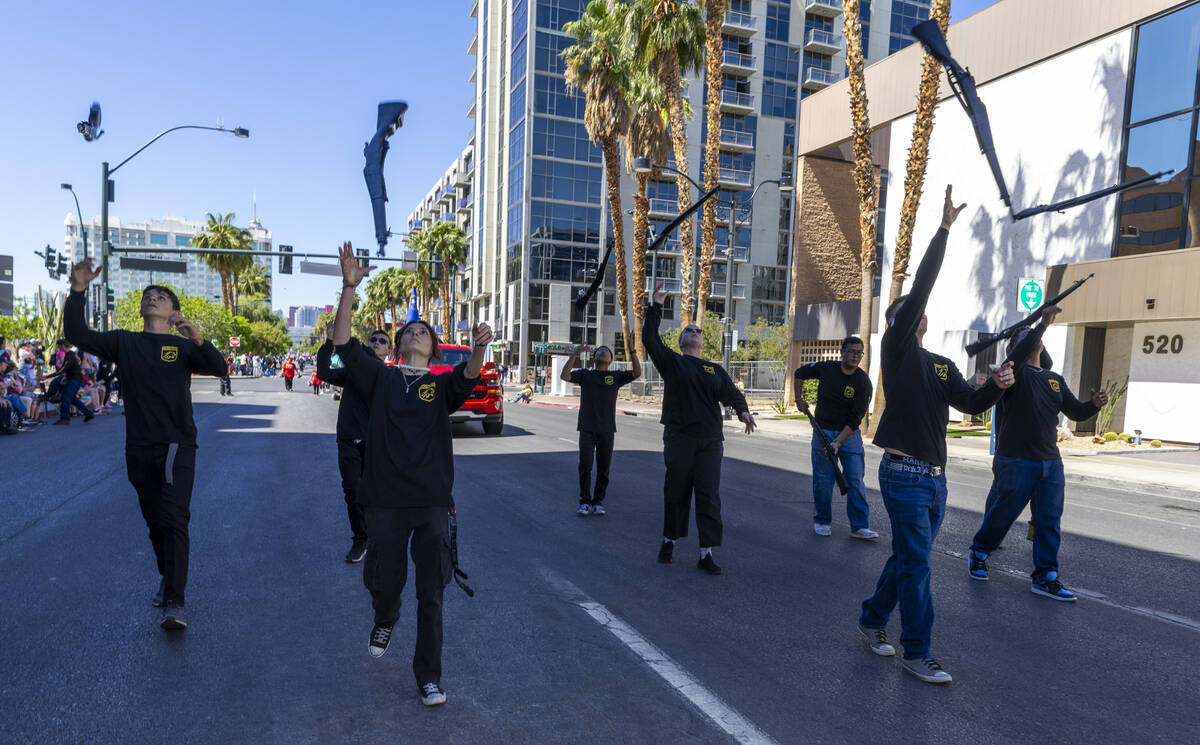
x,y
1030,294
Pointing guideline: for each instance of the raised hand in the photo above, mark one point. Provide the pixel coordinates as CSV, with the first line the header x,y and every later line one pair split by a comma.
x,y
1002,376
748,418
352,273
186,327
1049,312
83,273
949,211
482,334
660,293
1099,398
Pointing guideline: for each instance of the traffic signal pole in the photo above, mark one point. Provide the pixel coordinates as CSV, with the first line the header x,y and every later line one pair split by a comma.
x,y
105,246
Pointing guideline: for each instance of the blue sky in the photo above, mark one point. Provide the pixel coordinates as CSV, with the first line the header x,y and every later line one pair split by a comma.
x,y
303,76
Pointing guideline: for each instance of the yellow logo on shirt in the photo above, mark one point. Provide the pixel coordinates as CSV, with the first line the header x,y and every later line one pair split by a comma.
x,y
608,380
427,392
709,369
849,392
169,354
941,370
1054,385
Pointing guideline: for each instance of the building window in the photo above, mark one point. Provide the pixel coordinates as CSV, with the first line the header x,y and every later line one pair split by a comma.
x,y
773,313
518,61
778,21
778,99
780,62
550,96
905,15
539,302
158,239
569,182
520,19
562,139
553,14
769,283
516,103
548,55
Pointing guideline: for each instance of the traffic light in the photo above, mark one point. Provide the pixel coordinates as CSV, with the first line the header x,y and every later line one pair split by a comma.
x,y
62,266
285,262
110,301
362,255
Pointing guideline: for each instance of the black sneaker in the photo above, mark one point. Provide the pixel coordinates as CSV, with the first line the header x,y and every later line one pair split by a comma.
x,y
432,694
1052,588
708,565
357,551
89,417
62,422
666,551
977,566
173,618
158,596
381,637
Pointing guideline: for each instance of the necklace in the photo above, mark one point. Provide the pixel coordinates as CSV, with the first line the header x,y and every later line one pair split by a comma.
x,y
408,385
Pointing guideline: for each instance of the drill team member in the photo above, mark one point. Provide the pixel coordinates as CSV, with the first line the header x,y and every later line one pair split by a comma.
x,y
351,429
160,433
408,475
919,386
692,434
1027,467
843,394
597,423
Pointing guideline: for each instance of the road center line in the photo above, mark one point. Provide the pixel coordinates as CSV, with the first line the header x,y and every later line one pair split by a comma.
x,y
709,704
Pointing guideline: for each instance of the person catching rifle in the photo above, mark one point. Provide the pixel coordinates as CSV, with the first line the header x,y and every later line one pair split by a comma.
x,y
919,387
160,434
597,422
693,434
408,474
1027,468
843,394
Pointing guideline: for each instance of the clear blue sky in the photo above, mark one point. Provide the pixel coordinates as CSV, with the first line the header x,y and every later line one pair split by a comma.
x,y
303,76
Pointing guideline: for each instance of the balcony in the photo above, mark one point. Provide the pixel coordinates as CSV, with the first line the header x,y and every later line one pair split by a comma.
x,y
820,42
471,107
718,291
471,76
824,8
670,285
670,246
734,178
464,204
742,24
740,142
742,216
733,102
663,208
815,78
473,47
738,63
447,217
474,8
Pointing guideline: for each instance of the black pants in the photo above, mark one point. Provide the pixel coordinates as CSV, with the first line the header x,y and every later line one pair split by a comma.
x,y
692,465
386,569
162,475
226,386
599,444
350,465
287,383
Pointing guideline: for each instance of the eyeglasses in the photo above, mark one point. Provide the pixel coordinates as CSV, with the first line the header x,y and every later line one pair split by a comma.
x,y
379,340
852,353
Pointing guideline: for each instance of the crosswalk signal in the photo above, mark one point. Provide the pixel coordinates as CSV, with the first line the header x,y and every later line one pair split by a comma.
x,y
110,301
285,262
362,255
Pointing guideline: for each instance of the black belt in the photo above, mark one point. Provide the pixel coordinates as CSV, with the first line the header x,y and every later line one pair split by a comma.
x,y
906,464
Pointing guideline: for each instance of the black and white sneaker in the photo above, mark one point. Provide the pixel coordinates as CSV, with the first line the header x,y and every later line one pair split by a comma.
x,y
707,564
977,566
927,669
598,510
357,551
381,637
584,510
666,552
158,596
878,641
173,618
1051,588
432,694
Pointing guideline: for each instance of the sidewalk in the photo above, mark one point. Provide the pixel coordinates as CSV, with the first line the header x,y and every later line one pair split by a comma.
x,y
1137,472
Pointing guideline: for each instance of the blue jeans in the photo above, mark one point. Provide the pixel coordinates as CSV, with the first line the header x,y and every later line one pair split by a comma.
x,y
915,506
17,404
850,455
70,396
1017,482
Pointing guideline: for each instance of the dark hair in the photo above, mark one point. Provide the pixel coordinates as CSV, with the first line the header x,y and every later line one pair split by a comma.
x,y
851,339
62,343
166,291
606,348
437,343
381,332
894,308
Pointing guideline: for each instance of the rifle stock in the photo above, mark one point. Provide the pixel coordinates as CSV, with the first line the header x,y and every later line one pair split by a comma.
x,y
838,476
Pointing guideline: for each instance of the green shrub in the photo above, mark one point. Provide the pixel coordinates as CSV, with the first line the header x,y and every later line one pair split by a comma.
x,y
1124,437
1156,443
1110,436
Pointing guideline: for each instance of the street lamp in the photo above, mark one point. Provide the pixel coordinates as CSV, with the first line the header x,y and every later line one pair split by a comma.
x,y
107,195
82,228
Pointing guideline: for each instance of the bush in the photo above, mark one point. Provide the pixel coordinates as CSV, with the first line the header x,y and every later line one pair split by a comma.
x,y
1110,436
1156,443
1125,437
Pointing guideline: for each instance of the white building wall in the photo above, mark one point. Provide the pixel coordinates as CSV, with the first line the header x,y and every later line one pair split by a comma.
x,y
1163,360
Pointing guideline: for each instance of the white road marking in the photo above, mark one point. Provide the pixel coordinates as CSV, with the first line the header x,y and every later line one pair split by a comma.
x,y
721,714
569,442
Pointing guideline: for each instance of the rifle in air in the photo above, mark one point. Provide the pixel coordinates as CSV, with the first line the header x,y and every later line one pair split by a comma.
x,y
388,118
976,347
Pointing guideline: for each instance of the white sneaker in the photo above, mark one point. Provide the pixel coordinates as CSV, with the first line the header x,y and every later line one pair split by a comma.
x,y
432,694
865,534
598,509
584,510
927,669
820,529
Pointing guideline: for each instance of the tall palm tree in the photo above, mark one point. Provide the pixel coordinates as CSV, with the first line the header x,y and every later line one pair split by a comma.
x,y
864,168
714,22
256,280
221,233
598,63
668,37
647,138
378,295
445,242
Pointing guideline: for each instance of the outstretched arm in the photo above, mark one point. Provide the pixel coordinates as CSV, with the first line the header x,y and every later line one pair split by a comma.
x,y
481,335
662,357
75,327
565,374
352,274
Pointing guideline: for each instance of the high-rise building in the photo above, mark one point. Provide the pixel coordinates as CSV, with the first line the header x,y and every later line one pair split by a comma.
x,y
169,233
528,187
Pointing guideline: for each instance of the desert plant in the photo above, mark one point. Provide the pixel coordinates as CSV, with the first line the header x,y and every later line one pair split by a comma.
x,y
1116,391
780,405
1110,436
1156,443
1125,437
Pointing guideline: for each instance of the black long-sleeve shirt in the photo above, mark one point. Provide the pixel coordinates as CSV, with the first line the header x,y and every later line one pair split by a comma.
x,y
156,375
842,399
692,387
1027,414
353,408
921,386
409,451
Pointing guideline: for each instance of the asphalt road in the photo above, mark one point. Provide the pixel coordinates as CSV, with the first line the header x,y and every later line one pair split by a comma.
x,y
576,634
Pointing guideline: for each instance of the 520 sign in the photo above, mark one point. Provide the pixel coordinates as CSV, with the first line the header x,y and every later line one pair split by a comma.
x,y
1162,344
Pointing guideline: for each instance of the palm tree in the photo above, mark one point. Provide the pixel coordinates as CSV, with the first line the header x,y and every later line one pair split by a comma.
x,y
427,288
221,233
256,280
378,295
401,286
668,37
714,22
598,63
445,242
864,169
647,138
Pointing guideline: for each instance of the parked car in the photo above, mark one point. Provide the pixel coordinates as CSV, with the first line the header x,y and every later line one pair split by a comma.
x,y
486,403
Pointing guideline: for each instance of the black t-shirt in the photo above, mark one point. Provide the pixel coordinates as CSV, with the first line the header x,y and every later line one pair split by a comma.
x,y
598,398
409,459
1027,415
71,369
841,399
156,375
353,408
692,387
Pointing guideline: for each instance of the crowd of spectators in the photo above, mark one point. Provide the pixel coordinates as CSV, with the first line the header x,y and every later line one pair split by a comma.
x,y
38,383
